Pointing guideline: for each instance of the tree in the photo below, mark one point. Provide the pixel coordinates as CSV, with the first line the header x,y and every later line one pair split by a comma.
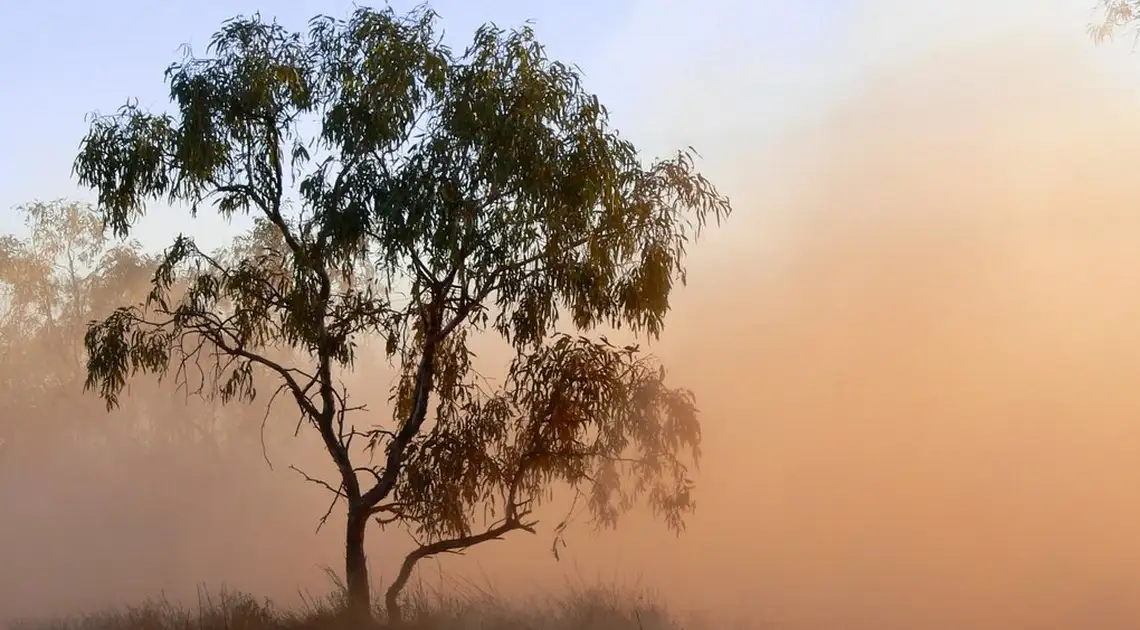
x,y
422,197
53,281
50,283
1114,16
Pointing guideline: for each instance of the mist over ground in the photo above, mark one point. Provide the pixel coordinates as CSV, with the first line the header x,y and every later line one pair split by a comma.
x,y
915,347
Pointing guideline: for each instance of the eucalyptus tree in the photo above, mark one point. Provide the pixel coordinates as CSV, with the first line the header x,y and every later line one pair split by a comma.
x,y
422,197
52,279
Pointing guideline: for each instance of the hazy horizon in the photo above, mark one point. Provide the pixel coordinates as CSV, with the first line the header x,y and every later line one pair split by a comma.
x,y
915,344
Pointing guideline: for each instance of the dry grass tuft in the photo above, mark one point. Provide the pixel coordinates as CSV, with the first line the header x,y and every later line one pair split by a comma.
x,y
593,608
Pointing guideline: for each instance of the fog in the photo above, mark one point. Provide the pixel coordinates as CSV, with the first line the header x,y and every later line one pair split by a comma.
x,y
915,347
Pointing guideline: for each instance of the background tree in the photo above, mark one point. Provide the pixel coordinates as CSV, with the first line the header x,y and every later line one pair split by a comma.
x,y
53,280
1115,15
442,196
57,273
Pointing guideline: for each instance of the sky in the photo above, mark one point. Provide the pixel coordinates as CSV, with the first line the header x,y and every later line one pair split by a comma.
x,y
60,61
720,75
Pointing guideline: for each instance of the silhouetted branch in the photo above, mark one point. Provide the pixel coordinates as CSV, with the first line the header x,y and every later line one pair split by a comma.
x,y
513,522
337,494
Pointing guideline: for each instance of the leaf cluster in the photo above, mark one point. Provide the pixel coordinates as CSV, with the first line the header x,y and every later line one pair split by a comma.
x,y
1114,16
577,413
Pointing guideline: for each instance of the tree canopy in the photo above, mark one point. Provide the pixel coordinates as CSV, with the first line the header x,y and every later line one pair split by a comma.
x,y
422,197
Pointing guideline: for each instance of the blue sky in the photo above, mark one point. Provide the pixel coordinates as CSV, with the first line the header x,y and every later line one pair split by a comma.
x,y
725,76
62,60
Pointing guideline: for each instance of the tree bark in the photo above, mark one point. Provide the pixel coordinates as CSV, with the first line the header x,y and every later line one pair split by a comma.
x,y
392,604
357,585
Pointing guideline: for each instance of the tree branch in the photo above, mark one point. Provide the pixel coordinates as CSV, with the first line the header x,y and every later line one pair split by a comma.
x,y
453,545
337,494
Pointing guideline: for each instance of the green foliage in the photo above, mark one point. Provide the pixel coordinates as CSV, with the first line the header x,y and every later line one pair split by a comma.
x,y
419,196
572,410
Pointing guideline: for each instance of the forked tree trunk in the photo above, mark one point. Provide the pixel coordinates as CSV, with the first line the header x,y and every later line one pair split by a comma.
x,y
356,581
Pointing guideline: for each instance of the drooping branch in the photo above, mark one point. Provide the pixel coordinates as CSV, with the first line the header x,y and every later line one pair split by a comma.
x,y
513,522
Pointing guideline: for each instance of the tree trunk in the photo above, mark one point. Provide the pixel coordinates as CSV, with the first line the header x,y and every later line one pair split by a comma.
x,y
396,588
392,606
359,594
392,601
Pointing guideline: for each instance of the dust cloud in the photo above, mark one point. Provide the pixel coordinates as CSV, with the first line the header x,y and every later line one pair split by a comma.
x,y
916,350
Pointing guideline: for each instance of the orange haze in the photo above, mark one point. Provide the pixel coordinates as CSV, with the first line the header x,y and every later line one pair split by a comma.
x,y
917,352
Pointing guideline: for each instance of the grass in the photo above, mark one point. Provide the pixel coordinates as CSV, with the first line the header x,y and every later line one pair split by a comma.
x,y
595,608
